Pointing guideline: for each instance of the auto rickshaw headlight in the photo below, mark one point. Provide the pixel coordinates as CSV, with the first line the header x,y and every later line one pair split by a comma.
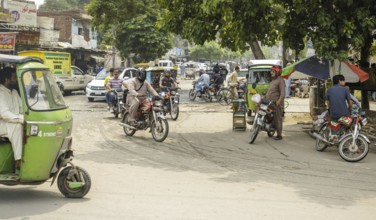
x,y
34,130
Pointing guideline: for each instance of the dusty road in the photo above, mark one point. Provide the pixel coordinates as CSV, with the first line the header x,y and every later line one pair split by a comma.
x,y
203,170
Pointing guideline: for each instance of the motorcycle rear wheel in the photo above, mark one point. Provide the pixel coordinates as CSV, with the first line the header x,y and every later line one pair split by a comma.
x,y
254,131
174,111
324,131
353,153
159,129
192,95
127,131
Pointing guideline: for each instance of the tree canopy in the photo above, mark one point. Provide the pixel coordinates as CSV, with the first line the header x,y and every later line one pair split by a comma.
x,y
130,25
332,25
63,4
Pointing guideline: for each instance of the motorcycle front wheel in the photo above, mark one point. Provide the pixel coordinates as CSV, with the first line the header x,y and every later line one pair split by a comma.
x,y
159,129
127,131
225,97
353,153
174,111
192,95
254,131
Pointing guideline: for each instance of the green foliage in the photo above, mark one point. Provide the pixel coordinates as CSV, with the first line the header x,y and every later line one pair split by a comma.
x,y
210,50
63,4
333,25
131,26
235,23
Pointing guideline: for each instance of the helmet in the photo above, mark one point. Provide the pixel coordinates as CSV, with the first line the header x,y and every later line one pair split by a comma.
x,y
277,69
141,74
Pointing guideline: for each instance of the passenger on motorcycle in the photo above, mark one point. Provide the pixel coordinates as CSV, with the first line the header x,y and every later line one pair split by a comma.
x,y
203,81
167,81
113,83
137,94
338,99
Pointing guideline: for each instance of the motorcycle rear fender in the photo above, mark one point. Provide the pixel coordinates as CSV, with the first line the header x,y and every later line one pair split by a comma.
x,y
347,135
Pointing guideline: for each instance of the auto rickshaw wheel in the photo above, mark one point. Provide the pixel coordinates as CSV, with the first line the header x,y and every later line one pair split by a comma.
x,y
70,175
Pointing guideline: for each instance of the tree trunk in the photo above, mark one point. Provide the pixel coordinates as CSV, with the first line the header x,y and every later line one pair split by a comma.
x,y
257,52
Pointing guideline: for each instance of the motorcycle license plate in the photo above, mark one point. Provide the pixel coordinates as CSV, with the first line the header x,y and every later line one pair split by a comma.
x,y
259,121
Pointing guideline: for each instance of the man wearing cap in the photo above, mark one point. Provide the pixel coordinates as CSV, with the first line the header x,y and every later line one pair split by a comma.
x,y
276,93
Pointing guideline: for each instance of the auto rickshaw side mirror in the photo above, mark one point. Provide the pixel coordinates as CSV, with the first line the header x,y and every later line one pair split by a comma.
x,y
33,90
253,85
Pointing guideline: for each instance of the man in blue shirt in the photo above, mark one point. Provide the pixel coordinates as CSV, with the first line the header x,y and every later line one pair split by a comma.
x,y
338,99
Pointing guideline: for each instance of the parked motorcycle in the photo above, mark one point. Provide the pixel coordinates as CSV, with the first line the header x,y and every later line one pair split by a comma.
x,y
264,118
117,105
206,93
149,115
344,133
170,101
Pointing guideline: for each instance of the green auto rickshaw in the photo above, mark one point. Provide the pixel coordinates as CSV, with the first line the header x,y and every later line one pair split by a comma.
x,y
258,80
47,133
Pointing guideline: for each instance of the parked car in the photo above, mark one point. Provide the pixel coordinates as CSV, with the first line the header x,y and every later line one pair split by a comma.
x,y
96,90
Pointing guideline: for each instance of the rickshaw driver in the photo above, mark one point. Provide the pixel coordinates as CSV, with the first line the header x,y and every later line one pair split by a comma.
x,y
138,89
11,117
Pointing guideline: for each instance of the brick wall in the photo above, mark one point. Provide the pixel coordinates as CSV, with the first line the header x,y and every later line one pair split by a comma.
x,y
64,25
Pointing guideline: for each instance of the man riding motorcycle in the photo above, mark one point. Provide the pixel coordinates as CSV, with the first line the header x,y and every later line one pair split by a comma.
x,y
203,81
137,94
113,84
167,81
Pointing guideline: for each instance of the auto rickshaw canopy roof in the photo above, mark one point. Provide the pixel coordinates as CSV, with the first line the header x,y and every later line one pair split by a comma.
x,y
18,59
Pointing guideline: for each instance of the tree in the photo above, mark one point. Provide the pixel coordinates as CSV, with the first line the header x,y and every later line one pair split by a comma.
x,y
63,4
133,23
238,25
333,25
210,50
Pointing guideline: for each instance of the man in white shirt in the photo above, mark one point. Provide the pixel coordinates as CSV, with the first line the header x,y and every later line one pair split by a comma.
x,y
11,117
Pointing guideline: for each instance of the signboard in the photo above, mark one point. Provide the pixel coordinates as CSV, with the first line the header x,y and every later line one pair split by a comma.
x,y
23,13
7,41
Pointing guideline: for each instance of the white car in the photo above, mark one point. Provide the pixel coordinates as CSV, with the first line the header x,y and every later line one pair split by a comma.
x,y
96,90
76,82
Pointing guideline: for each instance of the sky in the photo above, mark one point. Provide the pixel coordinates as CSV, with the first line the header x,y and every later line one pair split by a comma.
x,y
38,2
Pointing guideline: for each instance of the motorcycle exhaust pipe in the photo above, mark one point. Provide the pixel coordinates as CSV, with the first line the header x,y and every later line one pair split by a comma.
x,y
318,136
128,126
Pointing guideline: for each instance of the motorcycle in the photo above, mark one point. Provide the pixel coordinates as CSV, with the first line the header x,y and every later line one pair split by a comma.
x,y
206,93
149,115
264,118
344,133
170,101
117,105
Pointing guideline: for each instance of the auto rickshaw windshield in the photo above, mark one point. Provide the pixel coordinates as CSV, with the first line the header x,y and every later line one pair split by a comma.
x,y
41,91
260,76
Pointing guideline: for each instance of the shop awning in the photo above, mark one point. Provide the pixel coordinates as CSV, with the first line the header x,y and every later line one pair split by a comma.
x,y
97,58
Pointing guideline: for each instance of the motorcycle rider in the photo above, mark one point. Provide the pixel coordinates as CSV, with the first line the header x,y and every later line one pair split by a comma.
x,y
203,81
276,93
137,94
113,83
338,99
167,81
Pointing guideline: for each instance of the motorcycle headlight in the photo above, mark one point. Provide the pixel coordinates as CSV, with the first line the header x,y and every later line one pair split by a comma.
x,y
163,94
